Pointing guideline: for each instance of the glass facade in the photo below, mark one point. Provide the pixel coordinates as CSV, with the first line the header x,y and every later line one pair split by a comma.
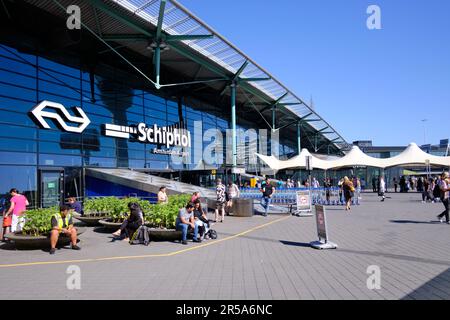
x,y
26,149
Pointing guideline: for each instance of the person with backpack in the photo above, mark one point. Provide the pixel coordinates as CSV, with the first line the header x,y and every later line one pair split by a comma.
x,y
132,223
444,186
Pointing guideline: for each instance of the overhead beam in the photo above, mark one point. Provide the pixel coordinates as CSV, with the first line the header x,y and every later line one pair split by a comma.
x,y
119,16
171,38
254,79
162,8
323,129
125,37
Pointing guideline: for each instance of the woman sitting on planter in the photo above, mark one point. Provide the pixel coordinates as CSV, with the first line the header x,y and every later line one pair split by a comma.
x,y
201,219
132,223
62,224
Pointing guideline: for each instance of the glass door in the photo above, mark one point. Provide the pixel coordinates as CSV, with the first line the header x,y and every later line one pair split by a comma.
x,y
51,188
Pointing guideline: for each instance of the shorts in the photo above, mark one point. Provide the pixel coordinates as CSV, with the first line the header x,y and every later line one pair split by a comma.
x,y
220,205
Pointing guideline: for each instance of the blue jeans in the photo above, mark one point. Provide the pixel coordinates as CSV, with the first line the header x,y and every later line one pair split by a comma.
x,y
265,202
184,229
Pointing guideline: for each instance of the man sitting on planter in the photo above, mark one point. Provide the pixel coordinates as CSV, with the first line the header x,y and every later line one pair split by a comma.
x,y
186,220
62,224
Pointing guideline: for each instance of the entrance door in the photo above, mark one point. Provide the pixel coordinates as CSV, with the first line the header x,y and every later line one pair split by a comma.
x,y
51,187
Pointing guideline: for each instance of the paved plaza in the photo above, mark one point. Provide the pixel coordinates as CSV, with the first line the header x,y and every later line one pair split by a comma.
x,y
255,258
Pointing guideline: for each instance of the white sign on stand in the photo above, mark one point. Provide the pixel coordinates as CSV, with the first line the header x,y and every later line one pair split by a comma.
x,y
303,203
322,233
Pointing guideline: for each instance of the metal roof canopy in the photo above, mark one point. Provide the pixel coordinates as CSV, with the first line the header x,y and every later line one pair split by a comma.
x,y
135,23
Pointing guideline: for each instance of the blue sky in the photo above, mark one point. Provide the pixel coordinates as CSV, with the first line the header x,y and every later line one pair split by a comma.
x,y
369,84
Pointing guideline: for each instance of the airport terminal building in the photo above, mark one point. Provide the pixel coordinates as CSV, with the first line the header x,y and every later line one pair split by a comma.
x,y
96,85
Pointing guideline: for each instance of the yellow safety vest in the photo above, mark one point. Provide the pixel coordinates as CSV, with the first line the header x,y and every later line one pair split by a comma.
x,y
60,220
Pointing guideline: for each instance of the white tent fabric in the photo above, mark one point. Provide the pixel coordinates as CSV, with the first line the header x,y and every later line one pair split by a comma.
x,y
412,155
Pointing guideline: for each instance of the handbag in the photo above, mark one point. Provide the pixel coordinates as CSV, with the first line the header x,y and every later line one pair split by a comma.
x,y
7,221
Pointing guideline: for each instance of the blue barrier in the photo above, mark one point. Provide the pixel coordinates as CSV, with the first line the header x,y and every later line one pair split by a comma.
x,y
288,196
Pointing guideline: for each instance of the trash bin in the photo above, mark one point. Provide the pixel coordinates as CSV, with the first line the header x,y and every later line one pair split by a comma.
x,y
243,207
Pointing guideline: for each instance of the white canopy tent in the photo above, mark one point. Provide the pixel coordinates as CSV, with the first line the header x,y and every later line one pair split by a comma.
x,y
412,155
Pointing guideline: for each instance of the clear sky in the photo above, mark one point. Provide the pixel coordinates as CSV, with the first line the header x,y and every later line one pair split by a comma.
x,y
368,84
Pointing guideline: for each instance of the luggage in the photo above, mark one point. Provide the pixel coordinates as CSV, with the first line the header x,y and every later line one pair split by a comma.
x,y
212,234
141,236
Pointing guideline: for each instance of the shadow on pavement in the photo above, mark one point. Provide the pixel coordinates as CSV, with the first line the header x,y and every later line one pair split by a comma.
x,y
296,244
436,288
414,222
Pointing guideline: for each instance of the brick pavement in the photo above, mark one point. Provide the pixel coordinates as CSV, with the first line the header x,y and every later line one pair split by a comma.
x,y
269,262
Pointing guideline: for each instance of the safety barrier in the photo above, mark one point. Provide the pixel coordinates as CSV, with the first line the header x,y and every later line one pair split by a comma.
x,y
288,196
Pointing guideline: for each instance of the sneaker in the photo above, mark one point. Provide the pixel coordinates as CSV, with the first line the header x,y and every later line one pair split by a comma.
x,y
441,220
75,247
197,240
184,242
52,251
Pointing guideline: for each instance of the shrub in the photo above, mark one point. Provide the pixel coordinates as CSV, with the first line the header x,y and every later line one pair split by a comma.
x,y
38,221
165,215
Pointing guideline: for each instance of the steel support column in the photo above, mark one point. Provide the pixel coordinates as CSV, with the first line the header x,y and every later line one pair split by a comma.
x,y
274,111
157,65
233,123
299,140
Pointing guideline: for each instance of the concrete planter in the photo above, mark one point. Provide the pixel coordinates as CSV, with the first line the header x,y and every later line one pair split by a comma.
x,y
108,224
91,220
26,242
164,234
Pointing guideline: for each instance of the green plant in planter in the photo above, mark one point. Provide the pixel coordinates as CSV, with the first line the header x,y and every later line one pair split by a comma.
x,y
38,221
100,207
164,215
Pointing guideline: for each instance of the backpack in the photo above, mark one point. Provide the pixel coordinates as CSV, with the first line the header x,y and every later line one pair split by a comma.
x,y
212,234
141,236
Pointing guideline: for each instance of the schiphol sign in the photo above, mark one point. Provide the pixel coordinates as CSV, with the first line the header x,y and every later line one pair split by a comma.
x,y
215,144
171,136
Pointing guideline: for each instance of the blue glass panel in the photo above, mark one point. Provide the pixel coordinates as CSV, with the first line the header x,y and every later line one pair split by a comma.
x,y
22,178
18,67
17,79
60,89
59,160
58,78
17,158
15,54
15,91
8,144
99,162
18,132
14,118
14,104
48,64
56,147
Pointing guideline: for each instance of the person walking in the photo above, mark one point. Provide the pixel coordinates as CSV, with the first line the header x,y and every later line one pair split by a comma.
x,y
444,185
382,189
267,192
349,192
18,206
233,192
374,184
220,201
395,184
